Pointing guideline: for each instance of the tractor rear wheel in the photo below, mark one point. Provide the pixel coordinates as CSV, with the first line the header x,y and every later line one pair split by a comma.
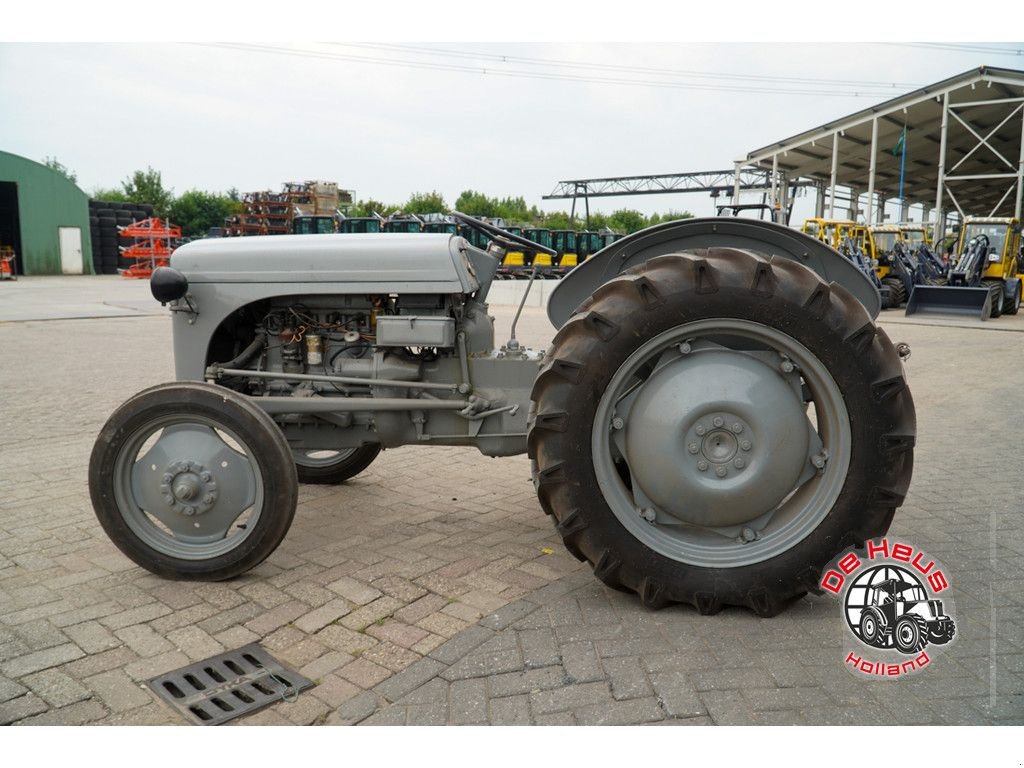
x,y
193,481
323,467
714,428
910,633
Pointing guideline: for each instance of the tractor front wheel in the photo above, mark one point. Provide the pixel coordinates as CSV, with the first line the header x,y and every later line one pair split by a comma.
x,y
910,634
714,428
192,481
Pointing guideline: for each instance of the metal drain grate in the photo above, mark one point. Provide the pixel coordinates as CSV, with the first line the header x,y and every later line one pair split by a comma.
x,y
230,685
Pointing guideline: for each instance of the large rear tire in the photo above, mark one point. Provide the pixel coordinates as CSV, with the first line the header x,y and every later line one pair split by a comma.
x,y
192,481
705,488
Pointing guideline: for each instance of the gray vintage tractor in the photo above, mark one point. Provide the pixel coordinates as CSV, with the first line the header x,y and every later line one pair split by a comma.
x,y
716,418
900,613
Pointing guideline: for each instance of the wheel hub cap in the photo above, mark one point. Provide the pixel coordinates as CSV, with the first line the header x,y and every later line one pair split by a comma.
x,y
716,438
188,488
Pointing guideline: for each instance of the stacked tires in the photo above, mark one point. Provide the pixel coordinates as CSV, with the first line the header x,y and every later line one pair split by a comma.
x,y
104,219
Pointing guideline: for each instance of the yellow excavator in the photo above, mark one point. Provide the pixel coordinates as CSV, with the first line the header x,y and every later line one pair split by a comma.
x,y
985,278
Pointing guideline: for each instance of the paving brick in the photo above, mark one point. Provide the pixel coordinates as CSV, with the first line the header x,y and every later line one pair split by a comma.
x,y
355,709
80,713
364,673
318,618
138,615
56,688
49,657
629,712
363,617
334,691
510,710
581,662
676,694
461,644
146,669
143,640
195,643
409,679
10,689
421,608
92,637
570,697
24,706
325,664
354,591
627,677
392,656
117,691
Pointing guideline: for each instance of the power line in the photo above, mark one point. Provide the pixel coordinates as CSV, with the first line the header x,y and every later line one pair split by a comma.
x,y
409,64
571,64
965,47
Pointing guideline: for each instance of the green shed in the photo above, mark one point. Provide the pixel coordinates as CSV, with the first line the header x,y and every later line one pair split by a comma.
x,y
44,217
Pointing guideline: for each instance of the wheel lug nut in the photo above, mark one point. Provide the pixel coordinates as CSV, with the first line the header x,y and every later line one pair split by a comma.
x,y
617,423
648,515
700,430
692,448
748,534
720,471
685,347
737,427
787,366
717,421
745,445
739,463
702,465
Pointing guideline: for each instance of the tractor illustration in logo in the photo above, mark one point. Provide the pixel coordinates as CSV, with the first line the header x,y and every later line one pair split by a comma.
x,y
897,611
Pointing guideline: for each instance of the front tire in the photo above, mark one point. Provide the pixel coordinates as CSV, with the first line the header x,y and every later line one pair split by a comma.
x,y
193,482
910,633
743,542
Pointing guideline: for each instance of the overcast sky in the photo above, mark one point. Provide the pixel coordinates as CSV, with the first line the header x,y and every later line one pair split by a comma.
x,y
212,117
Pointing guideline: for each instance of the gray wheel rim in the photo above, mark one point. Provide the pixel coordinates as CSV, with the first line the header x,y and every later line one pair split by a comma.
x,y
194,483
760,536
321,457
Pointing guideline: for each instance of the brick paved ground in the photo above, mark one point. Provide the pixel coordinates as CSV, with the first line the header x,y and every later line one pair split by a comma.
x,y
379,590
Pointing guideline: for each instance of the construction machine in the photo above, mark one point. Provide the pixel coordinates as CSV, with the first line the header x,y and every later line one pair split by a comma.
x,y
985,279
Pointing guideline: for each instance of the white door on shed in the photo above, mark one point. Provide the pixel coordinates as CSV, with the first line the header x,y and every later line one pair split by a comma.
x,y
70,250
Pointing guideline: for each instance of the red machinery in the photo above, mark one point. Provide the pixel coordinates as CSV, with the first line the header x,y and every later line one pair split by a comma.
x,y
7,263
153,247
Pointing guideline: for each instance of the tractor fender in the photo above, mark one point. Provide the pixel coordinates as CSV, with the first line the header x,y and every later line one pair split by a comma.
x,y
762,237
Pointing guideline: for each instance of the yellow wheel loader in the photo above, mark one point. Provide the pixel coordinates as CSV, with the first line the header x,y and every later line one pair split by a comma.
x,y
985,279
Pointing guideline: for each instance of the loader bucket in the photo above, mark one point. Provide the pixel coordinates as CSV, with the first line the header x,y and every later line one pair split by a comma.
x,y
947,300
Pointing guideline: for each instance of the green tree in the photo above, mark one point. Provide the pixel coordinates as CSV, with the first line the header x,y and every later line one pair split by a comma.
x,y
147,187
473,203
196,211
556,220
110,195
627,221
370,206
426,202
54,164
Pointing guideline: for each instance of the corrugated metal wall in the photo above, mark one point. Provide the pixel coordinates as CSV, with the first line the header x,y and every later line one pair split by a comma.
x,y
46,201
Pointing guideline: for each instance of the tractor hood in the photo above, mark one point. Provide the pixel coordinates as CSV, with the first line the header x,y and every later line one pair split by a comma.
x,y
418,263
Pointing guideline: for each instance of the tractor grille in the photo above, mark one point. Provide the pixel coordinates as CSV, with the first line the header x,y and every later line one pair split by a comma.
x,y
224,687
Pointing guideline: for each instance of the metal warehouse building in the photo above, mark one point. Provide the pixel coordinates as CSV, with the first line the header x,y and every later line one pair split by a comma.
x,y
44,217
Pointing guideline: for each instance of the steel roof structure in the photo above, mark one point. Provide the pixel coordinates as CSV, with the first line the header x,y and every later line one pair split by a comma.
x,y
963,151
